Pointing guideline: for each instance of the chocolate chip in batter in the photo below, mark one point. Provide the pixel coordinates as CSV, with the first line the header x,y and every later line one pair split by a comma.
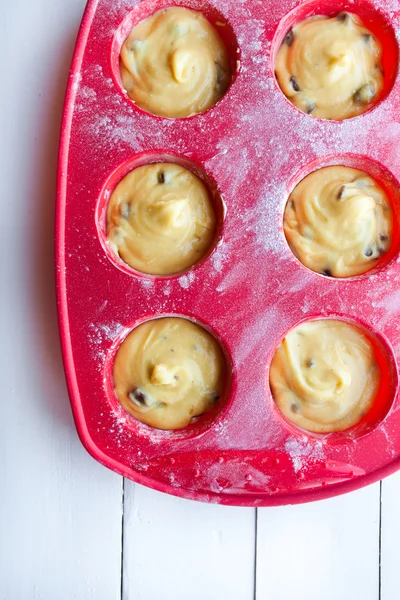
x,y
367,37
364,95
216,397
136,44
308,232
294,407
341,192
310,107
310,363
196,418
344,17
382,247
368,252
294,83
125,210
139,397
380,68
327,273
161,177
220,73
289,38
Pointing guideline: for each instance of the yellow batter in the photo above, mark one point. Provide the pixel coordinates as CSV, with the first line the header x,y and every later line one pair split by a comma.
x,y
160,219
174,64
330,67
324,376
338,221
168,371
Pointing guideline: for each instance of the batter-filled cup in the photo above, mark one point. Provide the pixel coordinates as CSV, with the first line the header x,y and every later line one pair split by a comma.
x,y
338,221
325,375
331,67
169,371
161,219
174,64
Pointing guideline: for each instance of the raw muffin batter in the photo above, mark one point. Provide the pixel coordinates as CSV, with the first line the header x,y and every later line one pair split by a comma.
x,y
168,371
330,68
338,222
324,376
160,219
174,64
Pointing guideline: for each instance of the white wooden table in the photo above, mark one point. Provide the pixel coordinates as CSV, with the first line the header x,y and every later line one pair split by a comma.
x,y
69,528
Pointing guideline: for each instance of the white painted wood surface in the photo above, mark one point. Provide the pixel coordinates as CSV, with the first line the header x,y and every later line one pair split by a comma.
x,y
185,540
326,550
390,538
60,512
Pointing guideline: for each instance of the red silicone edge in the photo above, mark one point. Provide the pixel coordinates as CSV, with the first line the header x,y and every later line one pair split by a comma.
x,y
66,349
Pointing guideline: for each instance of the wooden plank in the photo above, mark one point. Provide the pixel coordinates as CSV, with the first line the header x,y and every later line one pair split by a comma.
x,y
60,512
179,550
327,549
390,536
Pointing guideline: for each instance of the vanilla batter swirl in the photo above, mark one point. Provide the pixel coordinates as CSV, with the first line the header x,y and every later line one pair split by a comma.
x,y
174,64
160,219
338,222
168,371
324,376
330,67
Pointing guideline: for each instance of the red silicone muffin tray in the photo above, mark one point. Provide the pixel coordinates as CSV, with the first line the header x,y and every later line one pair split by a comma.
x,y
250,149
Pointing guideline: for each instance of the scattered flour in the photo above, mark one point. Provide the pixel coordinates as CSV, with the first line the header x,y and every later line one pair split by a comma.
x,y
302,450
186,280
99,335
